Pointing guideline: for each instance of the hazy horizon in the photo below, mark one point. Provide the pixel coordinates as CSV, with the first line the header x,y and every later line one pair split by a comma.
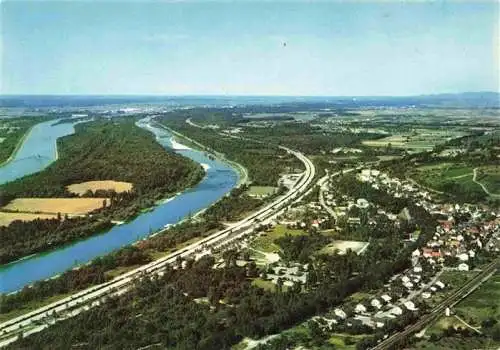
x,y
240,48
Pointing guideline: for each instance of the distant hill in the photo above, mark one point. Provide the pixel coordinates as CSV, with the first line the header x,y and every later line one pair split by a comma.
x,y
459,100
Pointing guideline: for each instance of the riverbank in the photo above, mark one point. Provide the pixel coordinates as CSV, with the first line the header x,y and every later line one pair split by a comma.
x,y
219,179
240,169
18,146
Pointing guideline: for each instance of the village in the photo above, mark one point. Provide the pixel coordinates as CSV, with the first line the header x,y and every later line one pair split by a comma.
x,y
464,236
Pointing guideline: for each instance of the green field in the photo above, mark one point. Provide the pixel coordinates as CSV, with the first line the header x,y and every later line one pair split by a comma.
x,y
451,178
265,243
340,340
261,191
416,140
489,176
266,285
484,303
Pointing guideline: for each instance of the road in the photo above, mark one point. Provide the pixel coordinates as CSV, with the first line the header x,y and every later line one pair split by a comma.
x,y
453,299
41,318
474,179
322,182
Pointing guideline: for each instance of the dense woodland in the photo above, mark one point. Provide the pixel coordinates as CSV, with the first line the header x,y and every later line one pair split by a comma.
x,y
22,238
100,150
163,311
202,308
305,137
105,150
264,162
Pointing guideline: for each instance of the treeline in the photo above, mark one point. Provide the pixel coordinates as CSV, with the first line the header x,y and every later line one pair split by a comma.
x,y
308,138
73,280
22,238
300,248
265,163
233,206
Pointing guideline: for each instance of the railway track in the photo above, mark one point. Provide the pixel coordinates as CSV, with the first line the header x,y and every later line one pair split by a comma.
x,y
452,300
30,322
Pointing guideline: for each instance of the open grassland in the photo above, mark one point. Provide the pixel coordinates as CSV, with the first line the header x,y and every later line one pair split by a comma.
x,y
489,176
342,246
261,191
444,171
117,186
265,242
72,206
7,218
484,303
452,178
417,140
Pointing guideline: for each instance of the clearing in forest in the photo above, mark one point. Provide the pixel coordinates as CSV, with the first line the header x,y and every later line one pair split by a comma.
x,y
71,206
117,186
342,246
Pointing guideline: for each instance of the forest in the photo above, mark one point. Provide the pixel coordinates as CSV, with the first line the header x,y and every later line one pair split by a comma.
x,y
105,150
199,307
264,162
100,150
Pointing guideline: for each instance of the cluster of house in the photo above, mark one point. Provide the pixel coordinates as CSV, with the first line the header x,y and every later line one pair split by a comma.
x,y
394,186
457,244
454,244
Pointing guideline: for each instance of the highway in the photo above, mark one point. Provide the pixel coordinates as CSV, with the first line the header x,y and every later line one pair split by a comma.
x,y
41,318
393,341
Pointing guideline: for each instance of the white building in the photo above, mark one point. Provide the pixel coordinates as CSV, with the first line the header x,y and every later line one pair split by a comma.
x,y
396,310
463,257
386,298
410,305
360,308
376,303
340,313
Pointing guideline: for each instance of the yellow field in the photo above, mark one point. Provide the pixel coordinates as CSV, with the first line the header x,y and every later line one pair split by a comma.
x,y
117,186
7,218
72,206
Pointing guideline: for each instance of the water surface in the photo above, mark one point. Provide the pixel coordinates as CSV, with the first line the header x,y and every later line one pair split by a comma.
x,y
220,179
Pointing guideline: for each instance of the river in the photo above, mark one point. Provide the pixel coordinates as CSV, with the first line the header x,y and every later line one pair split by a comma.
x,y
37,152
220,178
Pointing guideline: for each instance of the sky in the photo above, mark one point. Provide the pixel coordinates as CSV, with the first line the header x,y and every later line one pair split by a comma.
x,y
313,48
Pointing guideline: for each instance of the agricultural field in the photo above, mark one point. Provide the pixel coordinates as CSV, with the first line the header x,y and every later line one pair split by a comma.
x,y
117,186
70,206
7,218
261,191
416,140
